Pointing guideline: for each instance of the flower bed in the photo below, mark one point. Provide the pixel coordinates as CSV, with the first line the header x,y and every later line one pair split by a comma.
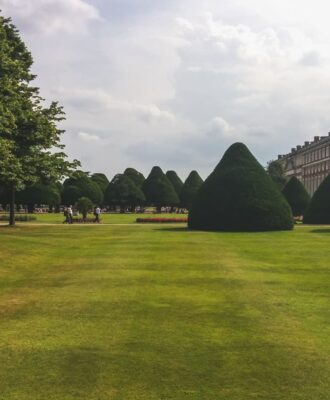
x,y
162,220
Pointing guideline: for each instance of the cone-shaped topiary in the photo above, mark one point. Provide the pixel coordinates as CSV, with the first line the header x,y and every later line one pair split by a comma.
x,y
136,176
297,196
175,180
318,211
190,188
158,190
240,196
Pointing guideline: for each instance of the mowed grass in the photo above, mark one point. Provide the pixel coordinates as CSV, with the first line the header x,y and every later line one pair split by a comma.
x,y
159,312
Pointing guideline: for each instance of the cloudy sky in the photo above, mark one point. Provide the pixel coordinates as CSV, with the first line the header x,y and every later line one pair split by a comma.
x,y
175,82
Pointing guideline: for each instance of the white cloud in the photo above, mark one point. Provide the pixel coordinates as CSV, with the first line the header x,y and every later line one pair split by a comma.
x,y
51,16
88,137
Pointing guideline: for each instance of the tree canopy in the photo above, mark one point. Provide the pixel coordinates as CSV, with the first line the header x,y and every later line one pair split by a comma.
x,y
240,196
297,196
190,189
122,191
318,211
101,180
136,176
30,148
40,194
276,171
158,190
175,180
81,185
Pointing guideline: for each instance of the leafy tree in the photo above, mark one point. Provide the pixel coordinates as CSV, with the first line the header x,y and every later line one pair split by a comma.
x,y
39,194
276,171
123,192
136,176
318,211
240,196
175,180
81,185
84,206
101,180
189,189
29,137
158,190
297,196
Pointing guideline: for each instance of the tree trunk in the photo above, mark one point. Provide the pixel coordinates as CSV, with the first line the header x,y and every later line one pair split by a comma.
x,y
12,206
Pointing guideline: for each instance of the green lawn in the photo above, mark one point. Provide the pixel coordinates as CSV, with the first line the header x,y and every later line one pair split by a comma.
x,y
159,312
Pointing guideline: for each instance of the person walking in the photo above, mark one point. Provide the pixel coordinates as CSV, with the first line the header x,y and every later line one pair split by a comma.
x,y
70,215
97,212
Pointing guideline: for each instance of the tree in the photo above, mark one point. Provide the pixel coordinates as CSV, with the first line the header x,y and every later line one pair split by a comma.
x,y
136,176
123,192
81,185
84,206
39,194
158,190
318,211
29,137
101,180
175,180
297,196
190,189
240,196
276,171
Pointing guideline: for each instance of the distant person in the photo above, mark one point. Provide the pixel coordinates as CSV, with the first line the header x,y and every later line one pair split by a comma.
x,y
97,212
66,215
70,215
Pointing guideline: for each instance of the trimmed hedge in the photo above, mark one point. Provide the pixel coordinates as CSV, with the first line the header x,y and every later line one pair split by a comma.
x,y
161,220
297,196
240,196
19,218
318,211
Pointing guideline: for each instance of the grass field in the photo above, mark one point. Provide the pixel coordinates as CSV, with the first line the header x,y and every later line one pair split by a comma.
x,y
159,312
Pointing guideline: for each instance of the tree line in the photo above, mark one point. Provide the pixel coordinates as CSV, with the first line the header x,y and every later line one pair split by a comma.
x,y
126,191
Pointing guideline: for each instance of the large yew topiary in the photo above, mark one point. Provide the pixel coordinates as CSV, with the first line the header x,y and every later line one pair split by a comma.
x,y
318,211
297,196
240,196
175,180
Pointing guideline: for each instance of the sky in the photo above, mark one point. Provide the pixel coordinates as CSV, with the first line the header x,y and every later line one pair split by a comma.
x,y
175,82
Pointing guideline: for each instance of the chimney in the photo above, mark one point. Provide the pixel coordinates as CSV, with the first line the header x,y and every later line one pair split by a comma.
x,y
279,156
316,138
329,134
307,143
298,147
293,150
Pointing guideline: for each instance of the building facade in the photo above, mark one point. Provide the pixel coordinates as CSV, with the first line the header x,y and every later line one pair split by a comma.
x,y
310,163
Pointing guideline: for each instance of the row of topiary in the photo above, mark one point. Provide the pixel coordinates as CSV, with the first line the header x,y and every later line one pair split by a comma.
x,y
240,196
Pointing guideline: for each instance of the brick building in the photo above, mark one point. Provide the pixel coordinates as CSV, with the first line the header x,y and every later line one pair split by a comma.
x,y
310,163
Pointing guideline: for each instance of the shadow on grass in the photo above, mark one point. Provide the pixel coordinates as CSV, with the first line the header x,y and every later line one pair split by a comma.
x,y
173,229
325,230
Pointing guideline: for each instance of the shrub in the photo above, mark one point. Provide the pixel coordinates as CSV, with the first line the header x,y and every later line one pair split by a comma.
x,y
190,189
297,196
240,196
84,206
175,180
318,211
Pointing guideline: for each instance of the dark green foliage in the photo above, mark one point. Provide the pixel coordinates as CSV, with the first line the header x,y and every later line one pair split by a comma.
x,y
158,190
101,180
39,194
175,180
297,196
136,176
276,171
81,185
318,211
122,192
84,206
189,190
240,196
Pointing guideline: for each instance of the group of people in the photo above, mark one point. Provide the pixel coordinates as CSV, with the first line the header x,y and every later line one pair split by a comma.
x,y
68,214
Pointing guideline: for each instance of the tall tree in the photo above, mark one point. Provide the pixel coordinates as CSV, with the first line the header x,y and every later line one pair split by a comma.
x,y
29,136
39,194
158,190
123,192
136,176
175,180
189,190
297,196
101,180
276,171
81,185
